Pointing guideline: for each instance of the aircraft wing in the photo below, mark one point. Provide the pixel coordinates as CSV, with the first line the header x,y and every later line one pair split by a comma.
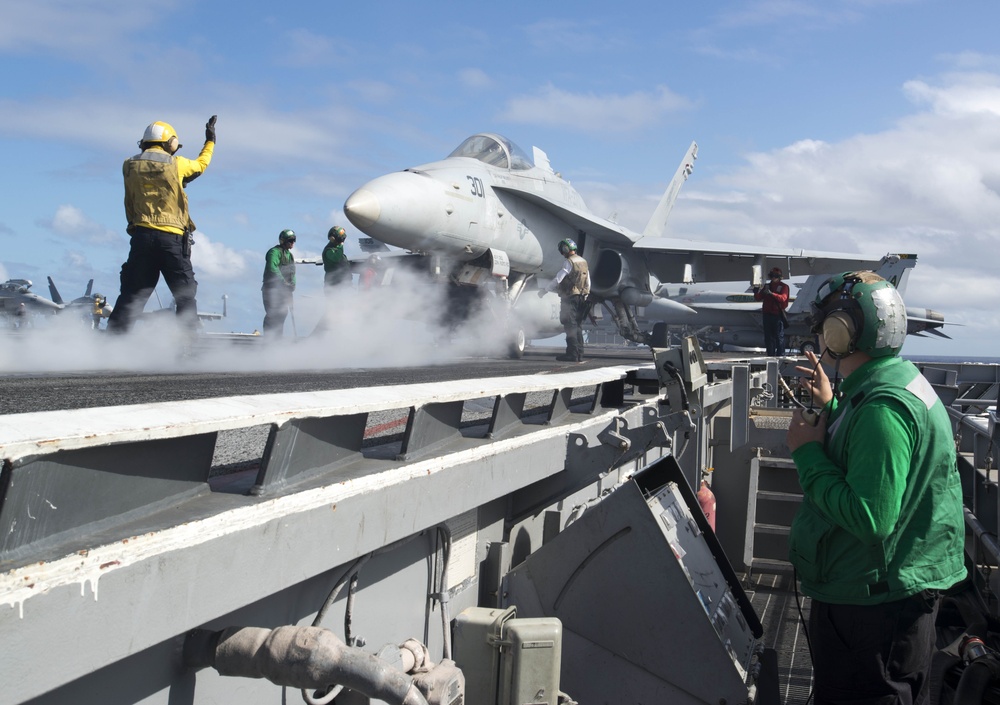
x,y
595,227
672,259
920,321
677,260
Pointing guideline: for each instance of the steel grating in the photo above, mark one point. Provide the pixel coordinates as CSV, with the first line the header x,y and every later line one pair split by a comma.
x,y
774,601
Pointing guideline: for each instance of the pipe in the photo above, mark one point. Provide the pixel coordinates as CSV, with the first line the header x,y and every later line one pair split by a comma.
x,y
987,539
310,658
444,534
982,669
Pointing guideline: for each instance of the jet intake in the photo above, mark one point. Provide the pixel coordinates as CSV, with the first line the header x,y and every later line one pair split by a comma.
x,y
610,274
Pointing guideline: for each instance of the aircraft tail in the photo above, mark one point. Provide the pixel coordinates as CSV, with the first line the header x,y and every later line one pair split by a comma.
x,y
54,292
894,268
658,222
90,289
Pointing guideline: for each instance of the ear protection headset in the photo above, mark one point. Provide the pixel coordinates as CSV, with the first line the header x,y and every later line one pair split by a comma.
x,y
566,246
842,321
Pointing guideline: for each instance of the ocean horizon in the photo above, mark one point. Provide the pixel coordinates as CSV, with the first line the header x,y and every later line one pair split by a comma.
x,y
954,359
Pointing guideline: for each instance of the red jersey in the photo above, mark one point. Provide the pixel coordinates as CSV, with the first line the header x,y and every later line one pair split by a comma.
x,y
773,304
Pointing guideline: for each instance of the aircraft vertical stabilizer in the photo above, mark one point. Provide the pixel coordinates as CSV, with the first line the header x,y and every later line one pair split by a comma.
x,y
54,293
658,222
893,268
896,269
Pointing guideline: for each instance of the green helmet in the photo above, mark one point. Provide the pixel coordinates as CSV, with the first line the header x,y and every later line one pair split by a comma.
x,y
566,246
337,232
859,311
286,236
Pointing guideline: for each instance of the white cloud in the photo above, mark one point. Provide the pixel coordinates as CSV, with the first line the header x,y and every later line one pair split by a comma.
x,y
74,27
217,261
72,223
251,133
928,185
970,94
595,113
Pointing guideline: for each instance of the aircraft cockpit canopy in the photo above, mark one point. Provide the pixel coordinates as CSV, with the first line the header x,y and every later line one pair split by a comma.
x,y
494,150
17,285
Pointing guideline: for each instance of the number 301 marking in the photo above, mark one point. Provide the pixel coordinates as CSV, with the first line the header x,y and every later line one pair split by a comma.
x,y
477,186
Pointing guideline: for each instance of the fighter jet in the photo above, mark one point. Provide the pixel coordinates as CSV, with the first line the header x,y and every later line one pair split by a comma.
x,y
90,307
488,218
722,318
15,292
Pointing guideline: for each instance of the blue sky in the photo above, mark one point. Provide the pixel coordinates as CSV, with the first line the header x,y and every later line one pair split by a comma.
x,y
857,125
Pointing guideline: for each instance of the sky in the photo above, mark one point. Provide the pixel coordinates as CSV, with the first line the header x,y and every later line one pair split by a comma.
x,y
862,126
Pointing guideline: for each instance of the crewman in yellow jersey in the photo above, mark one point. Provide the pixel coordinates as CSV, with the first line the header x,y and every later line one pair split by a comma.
x,y
159,224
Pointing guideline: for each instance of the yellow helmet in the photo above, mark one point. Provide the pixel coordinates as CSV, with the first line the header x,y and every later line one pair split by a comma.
x,y
161,133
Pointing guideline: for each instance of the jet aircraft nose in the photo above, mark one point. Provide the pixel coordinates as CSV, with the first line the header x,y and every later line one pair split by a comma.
x,y
401,209
362,209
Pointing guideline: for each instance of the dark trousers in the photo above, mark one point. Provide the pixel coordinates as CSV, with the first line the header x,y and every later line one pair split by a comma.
x,y
774,334
277,302
572,311
873,654
154,252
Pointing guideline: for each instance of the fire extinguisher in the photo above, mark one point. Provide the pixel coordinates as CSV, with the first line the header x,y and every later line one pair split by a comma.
x,y
706,498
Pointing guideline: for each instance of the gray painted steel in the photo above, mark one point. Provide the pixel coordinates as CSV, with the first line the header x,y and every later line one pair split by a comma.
x,y
119,537
170,548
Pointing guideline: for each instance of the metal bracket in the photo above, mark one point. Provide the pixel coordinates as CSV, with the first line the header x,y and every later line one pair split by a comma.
x,y
430,427
307,447
617,445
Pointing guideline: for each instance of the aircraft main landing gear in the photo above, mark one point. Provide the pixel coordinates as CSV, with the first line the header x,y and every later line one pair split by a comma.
x,y
518,341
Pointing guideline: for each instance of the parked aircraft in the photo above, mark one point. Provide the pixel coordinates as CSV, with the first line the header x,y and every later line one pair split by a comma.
x,y
732,318
86,300
83,306
487,220
15,292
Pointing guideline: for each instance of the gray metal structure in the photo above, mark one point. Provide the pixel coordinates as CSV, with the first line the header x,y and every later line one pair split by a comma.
x,y
127,559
